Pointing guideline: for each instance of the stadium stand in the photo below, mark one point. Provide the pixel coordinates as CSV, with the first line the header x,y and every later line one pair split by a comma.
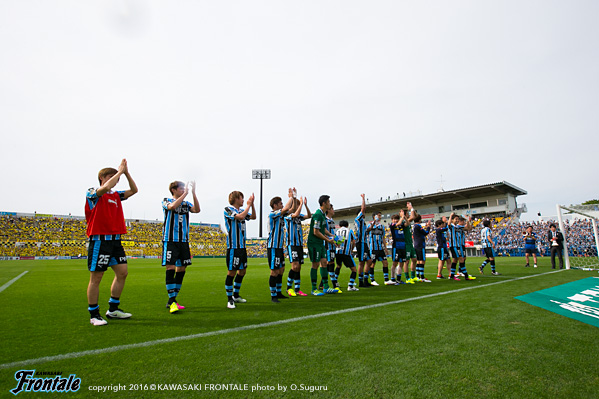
x,y
51,236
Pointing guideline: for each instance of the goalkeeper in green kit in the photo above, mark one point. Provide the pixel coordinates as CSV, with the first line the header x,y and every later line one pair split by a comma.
x,y
317,236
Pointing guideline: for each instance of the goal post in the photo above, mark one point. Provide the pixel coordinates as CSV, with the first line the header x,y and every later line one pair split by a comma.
x,y
580,251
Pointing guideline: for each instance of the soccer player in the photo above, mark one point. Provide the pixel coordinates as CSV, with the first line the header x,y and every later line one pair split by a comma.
x,y
317,236
486,238
344,254
274,246
456,248
105,225
378,248
442,251
398,254
411,260
235,218
295,245
420,234
175,238
530,245
362,245
331,250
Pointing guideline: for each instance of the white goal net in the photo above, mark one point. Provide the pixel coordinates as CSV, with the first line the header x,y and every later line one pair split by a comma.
x,y
581,239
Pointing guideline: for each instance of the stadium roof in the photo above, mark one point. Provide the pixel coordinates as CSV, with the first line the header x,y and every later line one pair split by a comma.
x,y
420,200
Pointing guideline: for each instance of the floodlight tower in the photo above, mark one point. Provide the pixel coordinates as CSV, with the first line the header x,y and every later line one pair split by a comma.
x,y
260,174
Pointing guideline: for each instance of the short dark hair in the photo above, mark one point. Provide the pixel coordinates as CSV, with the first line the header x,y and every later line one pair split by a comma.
x,y
323,199
275,201
439,223
552,225
343,223
175,185
395,217
486,223
374,214
418,218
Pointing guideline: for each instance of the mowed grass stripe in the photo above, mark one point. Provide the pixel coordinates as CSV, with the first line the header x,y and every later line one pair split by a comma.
x,y
118,348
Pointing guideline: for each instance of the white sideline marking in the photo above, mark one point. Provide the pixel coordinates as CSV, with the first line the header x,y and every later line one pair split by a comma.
x,y
117,348
5,286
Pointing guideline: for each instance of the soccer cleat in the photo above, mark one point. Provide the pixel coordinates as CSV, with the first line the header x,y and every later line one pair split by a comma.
x,y
350,288
168,306
425,280
98,321
281,296
440,277
411,281
173,308
338,290
331,291
455,278
274,299
239,299
535,265
300,293
117,314
374,283
415,280
480,269
495,274
461,274
361,284
317,293
400,282
390,282
291,292
470,278
527,265
231,304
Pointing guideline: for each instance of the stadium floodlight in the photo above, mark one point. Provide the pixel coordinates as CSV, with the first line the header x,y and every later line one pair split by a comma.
x,y
579,252
260,174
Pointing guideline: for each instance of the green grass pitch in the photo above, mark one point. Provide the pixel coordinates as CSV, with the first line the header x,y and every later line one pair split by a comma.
x,y
478,342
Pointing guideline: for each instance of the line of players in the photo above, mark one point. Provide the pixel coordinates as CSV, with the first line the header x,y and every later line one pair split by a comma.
x,y
328,249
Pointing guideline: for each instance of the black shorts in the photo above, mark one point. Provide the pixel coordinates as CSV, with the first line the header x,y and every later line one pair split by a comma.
x,y
176,253
420,253
443,253
379,255
331,255
296,254
489,252
237,259
363,251
457,252
346,260
399,255
276,258
530,251
103,254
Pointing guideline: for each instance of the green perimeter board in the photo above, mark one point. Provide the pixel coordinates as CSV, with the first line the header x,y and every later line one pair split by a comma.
x,y
577,300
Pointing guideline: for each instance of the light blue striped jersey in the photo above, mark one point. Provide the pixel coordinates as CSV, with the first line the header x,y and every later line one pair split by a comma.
x,y
295,234
360,227
485,237
377,237
456,238
276,225
176,221
348,234
331,229
235,228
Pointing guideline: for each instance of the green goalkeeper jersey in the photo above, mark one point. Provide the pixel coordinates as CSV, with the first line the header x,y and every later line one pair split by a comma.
x,y
318,220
